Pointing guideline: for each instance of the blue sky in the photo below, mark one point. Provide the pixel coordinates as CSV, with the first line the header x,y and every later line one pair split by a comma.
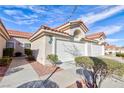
x,y
108,19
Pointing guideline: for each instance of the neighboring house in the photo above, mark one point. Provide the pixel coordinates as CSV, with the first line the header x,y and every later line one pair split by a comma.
x,y
19,41
67,41
122,50
97,37
112,50
4,36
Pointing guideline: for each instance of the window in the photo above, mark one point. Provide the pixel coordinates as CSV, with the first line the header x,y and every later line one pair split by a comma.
x,y
77,33
10,45
27,45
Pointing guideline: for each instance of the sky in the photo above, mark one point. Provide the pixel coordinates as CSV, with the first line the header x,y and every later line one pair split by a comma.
x,y
107,19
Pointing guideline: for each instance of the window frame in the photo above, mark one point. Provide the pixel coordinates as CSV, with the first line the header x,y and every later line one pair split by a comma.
x,y
28,46
11,42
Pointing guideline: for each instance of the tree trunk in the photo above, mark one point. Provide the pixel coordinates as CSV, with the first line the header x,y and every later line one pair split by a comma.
x,y
94,81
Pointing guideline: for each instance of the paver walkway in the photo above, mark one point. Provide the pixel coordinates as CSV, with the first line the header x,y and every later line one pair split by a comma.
x,y
19,72
43,69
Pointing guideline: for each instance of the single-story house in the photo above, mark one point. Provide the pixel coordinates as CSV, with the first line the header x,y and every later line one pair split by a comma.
x,y
67,41
4,36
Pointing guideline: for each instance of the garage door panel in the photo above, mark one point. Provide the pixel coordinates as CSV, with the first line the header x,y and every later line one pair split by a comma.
x,y
67,50
96,50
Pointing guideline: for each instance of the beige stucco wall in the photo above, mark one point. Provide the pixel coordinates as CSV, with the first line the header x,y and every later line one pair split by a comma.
x,y
19,44
42,48
39,46
72,30
2,45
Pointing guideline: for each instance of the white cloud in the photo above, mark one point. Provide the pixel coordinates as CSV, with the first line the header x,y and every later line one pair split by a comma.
x,y
19,17
108,30
12,12
111,40
93,17
115,41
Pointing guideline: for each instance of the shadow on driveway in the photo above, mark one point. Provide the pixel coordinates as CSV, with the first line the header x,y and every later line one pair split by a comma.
x,y
39,84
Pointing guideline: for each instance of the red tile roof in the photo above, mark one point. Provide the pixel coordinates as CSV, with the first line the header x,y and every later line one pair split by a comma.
x,y
3,28
95,35
19,34
112,47
78,21
55,30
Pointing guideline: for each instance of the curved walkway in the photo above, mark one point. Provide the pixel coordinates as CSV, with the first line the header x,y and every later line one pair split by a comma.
x,y
20,71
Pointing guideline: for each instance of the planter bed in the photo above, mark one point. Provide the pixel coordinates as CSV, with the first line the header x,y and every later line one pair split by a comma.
x,y
3,69
4,65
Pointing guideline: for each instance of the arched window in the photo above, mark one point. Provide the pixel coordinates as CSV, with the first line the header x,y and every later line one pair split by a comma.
x,y
77,33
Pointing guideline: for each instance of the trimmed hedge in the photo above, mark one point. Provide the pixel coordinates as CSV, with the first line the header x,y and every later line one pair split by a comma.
x,y
28,52
5,61
120,54
8,52
112,66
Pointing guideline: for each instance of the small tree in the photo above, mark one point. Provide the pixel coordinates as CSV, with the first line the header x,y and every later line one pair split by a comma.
x,y
100,67
53,59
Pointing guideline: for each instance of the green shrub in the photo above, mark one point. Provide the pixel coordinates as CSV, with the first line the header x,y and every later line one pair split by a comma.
x,y
7,57
112,66
100,66
120,54
53,58
28,52
8,52
5,61
83,61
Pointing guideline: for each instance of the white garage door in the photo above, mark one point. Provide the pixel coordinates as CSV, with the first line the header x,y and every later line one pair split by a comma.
x,y
96,50
67,50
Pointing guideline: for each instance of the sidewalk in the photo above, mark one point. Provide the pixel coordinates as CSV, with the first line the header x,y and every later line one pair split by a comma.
x,y
119,59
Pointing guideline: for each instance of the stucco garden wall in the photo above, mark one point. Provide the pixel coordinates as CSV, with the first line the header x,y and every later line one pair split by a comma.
x,y
39,48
